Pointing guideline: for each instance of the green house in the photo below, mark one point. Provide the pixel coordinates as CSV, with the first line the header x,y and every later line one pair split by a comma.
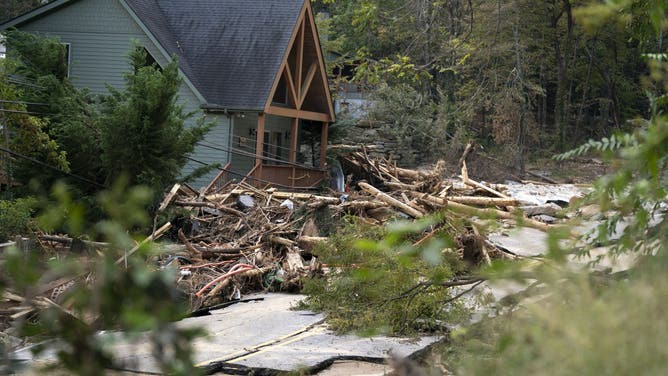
x,y
254,68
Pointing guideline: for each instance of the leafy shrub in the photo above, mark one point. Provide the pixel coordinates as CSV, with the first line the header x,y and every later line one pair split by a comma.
x,y
379,282
15,217
135,301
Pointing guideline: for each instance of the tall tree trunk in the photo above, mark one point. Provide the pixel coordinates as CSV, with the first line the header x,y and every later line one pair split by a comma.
x,y
521,131
562,105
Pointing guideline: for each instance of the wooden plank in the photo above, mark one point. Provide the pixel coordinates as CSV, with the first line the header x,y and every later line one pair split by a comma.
x,y
321,61
169,197
483,201
300,60
152,237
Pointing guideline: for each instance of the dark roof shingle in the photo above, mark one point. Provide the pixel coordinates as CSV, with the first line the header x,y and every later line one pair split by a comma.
x,y
230,50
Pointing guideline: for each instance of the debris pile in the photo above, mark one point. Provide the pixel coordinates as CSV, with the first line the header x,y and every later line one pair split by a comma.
x,y
241,238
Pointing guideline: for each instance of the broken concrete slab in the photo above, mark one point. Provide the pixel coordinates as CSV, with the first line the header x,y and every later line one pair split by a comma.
x,y
264,334
349,367
523,241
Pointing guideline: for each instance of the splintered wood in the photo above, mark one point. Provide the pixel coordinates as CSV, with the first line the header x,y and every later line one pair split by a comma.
x,y
241,238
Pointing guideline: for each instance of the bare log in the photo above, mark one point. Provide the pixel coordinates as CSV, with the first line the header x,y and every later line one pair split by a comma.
x,y
282,241
390,200
483,212
483,201
67,241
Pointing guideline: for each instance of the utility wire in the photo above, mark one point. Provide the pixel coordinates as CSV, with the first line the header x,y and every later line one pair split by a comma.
x,y
259,180
22,112
43,164
23,102
248,154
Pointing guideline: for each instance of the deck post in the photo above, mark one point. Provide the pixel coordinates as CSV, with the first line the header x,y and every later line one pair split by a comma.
x,y
294,133
259,145
323,144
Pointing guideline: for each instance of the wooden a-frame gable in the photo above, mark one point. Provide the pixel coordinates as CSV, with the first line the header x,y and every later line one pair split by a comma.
x,y
300,88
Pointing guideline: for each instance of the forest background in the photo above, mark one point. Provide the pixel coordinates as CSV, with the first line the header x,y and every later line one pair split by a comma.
x,y
522,77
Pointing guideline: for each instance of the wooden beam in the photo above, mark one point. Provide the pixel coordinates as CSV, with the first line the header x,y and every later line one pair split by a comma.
x,y
300,58
292,113
294,132
307,82
286,55
323,144
259,143
291,86
321,60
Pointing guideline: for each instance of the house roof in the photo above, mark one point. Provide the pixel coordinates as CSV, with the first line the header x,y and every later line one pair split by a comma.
x,y
230,49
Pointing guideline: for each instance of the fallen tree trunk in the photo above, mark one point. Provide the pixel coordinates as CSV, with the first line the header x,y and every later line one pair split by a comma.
x,y
390,200
483,201
482,212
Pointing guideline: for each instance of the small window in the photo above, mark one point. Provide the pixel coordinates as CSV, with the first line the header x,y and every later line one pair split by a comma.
x,y
68,57
2,47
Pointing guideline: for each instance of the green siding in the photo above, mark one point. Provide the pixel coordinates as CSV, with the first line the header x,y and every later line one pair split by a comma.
x,y
208,151
101,33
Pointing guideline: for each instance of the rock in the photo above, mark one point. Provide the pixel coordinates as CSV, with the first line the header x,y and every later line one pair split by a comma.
x,y
545,219
547,209
589,211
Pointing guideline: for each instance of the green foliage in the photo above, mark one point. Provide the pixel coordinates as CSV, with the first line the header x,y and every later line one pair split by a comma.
x,y
521,75
578,325
606,144
27,134
138,132
584,322
143,130
15,217
379,282
38,56
409,116
68,116
136,302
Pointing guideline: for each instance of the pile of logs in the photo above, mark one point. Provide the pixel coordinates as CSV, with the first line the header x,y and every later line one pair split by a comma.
x,y
242,238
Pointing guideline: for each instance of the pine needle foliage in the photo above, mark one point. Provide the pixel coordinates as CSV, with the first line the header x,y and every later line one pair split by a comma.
x,y
144,135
